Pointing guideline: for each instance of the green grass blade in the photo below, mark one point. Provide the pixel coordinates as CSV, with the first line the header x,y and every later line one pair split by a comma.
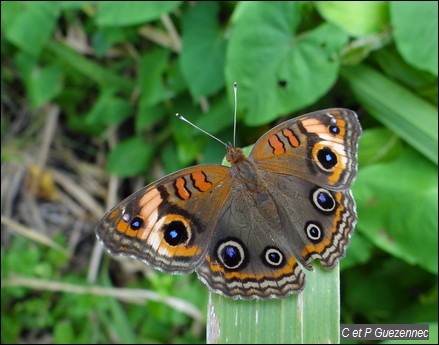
x,y
97,73
402,111
312,316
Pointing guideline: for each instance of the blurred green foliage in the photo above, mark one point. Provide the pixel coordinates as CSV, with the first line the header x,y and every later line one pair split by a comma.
x,y
131,66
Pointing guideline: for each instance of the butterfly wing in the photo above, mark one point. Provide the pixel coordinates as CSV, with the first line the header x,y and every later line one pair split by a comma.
x,y
317,222
320,147
167,224
309,164
247,257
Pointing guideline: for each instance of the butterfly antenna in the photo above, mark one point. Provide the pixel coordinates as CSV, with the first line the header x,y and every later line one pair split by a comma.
x,y
181,117
235,90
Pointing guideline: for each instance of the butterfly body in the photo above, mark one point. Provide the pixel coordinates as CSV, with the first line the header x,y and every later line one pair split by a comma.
x,y
248,229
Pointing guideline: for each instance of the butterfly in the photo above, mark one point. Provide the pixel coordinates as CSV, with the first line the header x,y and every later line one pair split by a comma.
x,y
250,229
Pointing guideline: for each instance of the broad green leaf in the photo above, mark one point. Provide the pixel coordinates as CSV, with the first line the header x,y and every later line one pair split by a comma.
x,y
122,13
169,158
409,116
359,252
42,83
148,115
378,145
75,5
109,110
131,157
356,17
279,70
291,320
89,69
33,25
219,117
204,48
360,48
397,207
10,11
421,82
152,66
415,27
108,36
190,141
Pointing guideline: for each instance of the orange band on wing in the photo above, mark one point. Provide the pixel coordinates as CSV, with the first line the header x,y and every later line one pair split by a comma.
x,y
314,126
286,270
125,228
182,192
341,124
200,181
288,133
122,226
276,144
187,251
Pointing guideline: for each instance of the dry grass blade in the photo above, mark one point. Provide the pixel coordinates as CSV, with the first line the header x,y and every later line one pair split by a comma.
x,y
33,235
77,192
98,248
128,295
158,36
175,38
48,135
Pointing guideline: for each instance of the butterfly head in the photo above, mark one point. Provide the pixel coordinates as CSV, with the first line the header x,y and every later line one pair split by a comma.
x,y
234,154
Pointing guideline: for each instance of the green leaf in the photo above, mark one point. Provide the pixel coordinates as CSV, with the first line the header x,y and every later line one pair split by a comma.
x,y
63,332
218,118
359,252
42,83
356,17
109,110
415,27
45,84
291,320
122,13
190,141
397,208
421,82
203,45
32,26
283,71
87,68
378,145
359,49
108,36
409,116
131,157
10,11
148,115
151,69
169,159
